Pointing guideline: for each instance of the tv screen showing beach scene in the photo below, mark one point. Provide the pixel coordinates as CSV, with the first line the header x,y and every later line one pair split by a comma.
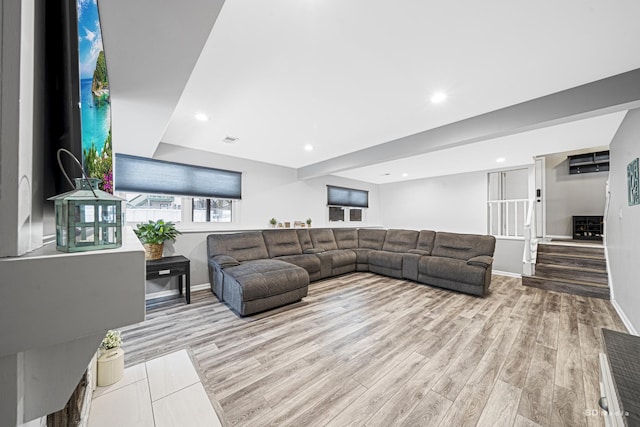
x,y
95,104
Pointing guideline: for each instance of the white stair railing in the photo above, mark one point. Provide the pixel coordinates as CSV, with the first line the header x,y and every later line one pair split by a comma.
x,y
530,241
507,217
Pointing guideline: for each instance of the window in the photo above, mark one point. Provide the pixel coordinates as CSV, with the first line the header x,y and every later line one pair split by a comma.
x,y
211,210
346,202
176,192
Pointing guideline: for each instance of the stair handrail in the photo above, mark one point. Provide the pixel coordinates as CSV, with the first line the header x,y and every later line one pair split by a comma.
x,y
530,243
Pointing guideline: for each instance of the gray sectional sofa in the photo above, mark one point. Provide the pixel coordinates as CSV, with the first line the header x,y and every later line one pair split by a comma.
x,y
260,270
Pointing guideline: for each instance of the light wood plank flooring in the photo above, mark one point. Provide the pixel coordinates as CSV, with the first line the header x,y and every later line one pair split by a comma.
x,y
363,349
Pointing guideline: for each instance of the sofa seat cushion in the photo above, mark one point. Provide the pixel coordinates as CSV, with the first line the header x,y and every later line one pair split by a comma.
x,y
282,242
263,278
452,269
386,259
311,263
362,255
340,257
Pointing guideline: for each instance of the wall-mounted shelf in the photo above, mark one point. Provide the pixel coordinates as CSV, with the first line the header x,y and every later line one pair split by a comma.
x,y
589,162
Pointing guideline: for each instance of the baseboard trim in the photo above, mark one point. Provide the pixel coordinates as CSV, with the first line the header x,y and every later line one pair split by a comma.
x,y
558,237
172,292
624,318
506,273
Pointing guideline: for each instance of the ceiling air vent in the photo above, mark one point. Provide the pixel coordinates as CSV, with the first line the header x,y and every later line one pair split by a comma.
x,y
230,139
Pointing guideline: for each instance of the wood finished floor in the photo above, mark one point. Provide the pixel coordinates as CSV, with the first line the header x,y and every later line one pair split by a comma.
x,y
364,349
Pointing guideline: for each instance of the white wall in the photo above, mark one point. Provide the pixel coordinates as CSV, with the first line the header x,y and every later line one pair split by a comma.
x,y
569,195
623,223
456,203
267,191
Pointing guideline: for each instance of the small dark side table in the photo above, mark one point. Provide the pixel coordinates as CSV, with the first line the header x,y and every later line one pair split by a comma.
x,y
172,266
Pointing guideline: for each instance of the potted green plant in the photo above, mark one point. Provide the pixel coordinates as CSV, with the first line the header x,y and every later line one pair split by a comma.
x,y
308,222
273,222
153,234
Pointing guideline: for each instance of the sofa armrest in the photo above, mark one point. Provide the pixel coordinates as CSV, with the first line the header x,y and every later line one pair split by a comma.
x,y
418,252
313,251
481,261
224,261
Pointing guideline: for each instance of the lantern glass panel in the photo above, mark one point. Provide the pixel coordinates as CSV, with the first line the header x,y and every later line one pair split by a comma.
x,y
84,235
107,213
85,213
108,235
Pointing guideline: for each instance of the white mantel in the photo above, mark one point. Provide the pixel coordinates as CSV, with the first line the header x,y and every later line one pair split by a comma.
x,y
55,308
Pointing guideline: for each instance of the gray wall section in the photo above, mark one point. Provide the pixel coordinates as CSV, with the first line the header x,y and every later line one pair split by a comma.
x,y
569,195
508,255
623,222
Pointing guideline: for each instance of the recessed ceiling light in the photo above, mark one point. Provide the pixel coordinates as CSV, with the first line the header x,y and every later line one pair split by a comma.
x,y
308,147
438,97
500,159
202,117
404,175
230,139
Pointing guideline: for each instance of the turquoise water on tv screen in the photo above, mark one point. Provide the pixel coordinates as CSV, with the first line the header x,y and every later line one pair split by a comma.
x,y
96,117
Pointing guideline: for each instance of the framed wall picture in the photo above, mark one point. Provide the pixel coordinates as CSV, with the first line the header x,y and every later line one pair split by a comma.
x,y
633,183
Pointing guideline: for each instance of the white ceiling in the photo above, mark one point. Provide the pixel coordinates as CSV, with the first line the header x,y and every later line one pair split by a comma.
x,y
345,76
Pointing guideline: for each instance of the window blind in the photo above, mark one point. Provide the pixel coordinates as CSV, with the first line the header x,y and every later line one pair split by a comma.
x,y
143,175
340,196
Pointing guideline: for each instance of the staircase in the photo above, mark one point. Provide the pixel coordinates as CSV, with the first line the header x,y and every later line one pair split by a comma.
x,y
574,269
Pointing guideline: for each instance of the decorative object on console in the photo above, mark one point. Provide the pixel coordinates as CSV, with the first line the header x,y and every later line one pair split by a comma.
x,y
633,182
273,222
111,360
87,218
308,222
153,234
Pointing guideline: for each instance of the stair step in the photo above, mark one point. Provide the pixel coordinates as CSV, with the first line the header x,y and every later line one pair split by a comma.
x,y
571,249
573,260
572,273
575,287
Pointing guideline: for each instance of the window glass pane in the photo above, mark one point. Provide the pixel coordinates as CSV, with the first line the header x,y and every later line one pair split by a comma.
x,y
199,210
220,210
336,213
211,210
355,214
145,207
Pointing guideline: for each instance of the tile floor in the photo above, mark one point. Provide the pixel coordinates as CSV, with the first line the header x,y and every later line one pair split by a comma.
x,y
162,392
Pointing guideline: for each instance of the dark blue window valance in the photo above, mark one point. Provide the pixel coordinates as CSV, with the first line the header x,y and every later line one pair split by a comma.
x,y
340,196
143,175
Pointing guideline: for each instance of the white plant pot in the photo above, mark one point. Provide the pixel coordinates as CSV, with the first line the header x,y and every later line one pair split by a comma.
x,y
110,366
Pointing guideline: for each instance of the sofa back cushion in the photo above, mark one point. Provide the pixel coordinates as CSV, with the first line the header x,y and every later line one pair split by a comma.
x,y
241,246
426,240
371,238
322,238
304,239
282,242
346,238
400,240
463,246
